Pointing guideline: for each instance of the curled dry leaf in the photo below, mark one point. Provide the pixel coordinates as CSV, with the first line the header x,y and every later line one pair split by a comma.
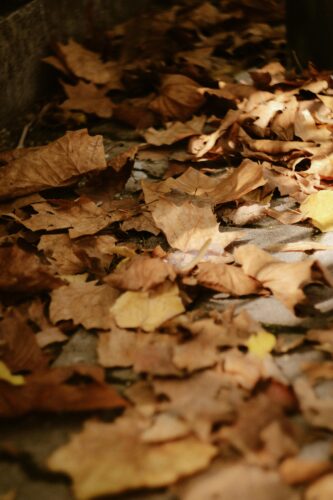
x,y
23,272
85,303
60,163
179,98
226,278
123,461
140,273
147,310
84,63
52,391
88,98
175,131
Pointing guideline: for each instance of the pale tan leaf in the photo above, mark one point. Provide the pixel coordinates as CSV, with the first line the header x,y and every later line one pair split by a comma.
x,y
119,460
84,303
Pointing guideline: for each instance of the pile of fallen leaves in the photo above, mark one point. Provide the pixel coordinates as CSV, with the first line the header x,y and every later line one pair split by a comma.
x,y
135,241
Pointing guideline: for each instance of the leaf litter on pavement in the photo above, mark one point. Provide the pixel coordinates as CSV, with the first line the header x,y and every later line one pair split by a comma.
x,y
150,227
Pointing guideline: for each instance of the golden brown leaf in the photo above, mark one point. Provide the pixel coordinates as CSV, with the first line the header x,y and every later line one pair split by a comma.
x,y
226,278
84,63
23,272
59,163
175,131
140,273
179,98
286,280
51,390
85,303
18,344
88,98
122,461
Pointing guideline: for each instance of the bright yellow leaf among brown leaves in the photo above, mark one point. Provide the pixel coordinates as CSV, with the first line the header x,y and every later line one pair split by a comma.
x,y
319,208
147,310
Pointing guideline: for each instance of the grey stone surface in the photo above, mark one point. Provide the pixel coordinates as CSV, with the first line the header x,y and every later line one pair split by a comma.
x,y
266,237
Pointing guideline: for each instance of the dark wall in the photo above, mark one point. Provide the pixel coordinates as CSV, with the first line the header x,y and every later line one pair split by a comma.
x,y
310,31
26,34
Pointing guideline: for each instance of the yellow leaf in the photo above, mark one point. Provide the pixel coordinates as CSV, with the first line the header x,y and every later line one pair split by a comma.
x,y
261,343
147,310
6,375
319,208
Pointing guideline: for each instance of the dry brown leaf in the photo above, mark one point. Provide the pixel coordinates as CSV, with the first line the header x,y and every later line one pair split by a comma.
x,y
122,461
19,349
147,353
313,391
179,98
82,217
321,489
312,461
175,131
119,154
286,280
52,391
51,335
98,252
140,273
239,182
239,481
59,163
165,427
60,254
87,304
226,278
84,63
142,222
190,222
23,272
201,400
147,310
88,98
